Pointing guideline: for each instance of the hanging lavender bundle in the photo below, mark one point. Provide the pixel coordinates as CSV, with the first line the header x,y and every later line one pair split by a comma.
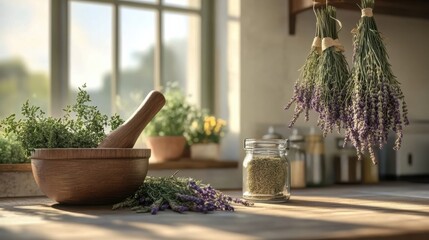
x,y
378,104
330,97
304,86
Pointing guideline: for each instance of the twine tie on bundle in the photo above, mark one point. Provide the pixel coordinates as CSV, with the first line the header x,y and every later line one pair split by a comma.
x,y
317,44
367,12
329,42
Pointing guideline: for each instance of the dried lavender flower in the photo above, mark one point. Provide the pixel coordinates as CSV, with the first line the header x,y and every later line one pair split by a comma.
x,y
324,77
304,86
377,102
332,75
180,195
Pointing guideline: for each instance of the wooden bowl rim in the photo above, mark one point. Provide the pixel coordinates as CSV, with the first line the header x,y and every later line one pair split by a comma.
x,y
90,153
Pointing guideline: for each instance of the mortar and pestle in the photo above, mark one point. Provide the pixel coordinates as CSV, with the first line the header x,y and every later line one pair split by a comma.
x,y
106,174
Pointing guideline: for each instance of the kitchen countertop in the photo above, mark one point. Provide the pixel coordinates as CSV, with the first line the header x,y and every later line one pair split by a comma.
x,y
391,210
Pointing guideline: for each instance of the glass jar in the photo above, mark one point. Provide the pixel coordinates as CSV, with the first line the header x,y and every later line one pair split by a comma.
x,y
348,169
315,158
272,134
266,170
296,154
370,171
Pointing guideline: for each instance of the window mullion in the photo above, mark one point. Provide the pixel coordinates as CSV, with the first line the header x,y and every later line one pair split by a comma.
x,y
59,55
159,49
115,56
207,55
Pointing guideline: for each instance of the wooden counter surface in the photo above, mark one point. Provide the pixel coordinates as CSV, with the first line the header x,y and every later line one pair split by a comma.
x,y
383,211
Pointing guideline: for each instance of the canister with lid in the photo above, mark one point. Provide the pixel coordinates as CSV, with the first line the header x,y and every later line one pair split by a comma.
x,y
296,155
348,169
315,158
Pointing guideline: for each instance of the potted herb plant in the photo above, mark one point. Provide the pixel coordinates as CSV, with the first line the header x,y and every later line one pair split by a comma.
x,y
204,135
82,126
11,152
16,179
165,133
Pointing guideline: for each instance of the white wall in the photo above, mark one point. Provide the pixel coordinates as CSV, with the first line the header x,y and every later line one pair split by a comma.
x,y
270,59
257,63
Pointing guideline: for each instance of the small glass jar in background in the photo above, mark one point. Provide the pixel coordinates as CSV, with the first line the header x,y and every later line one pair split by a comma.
x,y
370,171
266,170
296,155
347,167
315,158
272,134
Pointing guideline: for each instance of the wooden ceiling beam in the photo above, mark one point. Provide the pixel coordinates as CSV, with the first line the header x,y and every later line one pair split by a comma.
x,y
402,8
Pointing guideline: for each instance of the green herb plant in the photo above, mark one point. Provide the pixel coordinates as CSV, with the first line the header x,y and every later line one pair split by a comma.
x,y
11,151
82,126
172,119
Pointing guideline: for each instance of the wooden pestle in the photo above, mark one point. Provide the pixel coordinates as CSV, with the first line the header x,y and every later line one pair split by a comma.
x,y
126,135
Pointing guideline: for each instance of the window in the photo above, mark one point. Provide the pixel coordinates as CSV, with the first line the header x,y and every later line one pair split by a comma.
x,y
90,47
123,49
137,57
24,58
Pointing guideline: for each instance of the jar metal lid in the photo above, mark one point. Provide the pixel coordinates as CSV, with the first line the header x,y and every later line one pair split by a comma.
x,y
280,144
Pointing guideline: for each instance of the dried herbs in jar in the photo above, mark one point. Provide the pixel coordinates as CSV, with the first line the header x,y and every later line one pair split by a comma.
x,y
266,171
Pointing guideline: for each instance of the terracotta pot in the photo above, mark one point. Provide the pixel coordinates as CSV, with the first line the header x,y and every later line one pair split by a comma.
x,y
89,175
166,148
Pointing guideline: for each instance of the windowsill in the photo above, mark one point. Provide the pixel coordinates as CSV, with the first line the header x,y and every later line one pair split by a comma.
x,y
179,164
19,167
187,163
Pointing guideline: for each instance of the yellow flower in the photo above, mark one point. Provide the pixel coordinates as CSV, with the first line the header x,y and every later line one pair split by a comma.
x,y
194,125
217,128
211,120
221,121
207,128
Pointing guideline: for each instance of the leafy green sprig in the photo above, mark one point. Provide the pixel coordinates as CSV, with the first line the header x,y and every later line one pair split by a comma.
x,y
82,126
11,151
173,118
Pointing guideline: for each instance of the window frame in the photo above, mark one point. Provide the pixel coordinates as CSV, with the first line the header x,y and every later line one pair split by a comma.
x,y
59,48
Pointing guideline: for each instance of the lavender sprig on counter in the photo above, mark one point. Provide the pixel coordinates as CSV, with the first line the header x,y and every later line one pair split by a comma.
x,y
180,195
377,102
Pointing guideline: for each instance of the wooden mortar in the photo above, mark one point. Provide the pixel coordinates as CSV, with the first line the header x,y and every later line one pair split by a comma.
x,y
102,175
